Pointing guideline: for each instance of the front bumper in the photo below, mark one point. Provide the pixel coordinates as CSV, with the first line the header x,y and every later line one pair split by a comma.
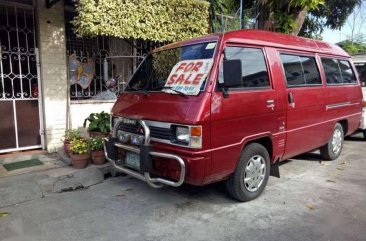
x,y
145,153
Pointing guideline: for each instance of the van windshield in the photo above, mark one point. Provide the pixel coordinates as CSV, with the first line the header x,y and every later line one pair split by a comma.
x,y
186,68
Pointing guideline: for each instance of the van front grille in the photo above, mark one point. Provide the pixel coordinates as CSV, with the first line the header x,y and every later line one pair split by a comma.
x,y
155,132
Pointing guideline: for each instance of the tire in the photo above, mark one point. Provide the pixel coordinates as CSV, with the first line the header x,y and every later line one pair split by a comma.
x,y
364,134
256,156
332,150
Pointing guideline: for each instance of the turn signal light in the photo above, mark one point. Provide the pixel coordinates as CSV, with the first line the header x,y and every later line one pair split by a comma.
x,y
196,131
363,103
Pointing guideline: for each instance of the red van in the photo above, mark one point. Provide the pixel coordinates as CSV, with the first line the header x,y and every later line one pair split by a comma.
x,y
230,107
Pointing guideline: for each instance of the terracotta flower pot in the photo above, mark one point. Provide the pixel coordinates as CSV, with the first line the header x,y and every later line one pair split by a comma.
x,y
98,134
79,161
98,157
67,148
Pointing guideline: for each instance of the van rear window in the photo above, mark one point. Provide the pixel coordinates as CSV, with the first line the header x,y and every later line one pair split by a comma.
x,y
338,71
347,73
300,70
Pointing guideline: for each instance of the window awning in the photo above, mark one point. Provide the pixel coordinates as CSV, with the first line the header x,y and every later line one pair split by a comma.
x,y
163,20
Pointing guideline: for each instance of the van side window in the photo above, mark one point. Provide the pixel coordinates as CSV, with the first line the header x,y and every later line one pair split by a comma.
x,y
338,71
347,73
300,70
254,69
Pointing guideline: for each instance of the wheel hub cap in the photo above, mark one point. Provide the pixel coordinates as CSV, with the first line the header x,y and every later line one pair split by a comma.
x,y
337,141
254,174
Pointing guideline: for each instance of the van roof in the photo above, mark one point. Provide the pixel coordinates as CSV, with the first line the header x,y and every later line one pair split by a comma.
x,y
265,38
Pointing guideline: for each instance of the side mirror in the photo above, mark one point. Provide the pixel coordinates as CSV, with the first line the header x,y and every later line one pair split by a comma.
x,y
232,73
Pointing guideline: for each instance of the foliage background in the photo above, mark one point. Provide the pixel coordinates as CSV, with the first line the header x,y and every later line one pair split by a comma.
x,y
156,20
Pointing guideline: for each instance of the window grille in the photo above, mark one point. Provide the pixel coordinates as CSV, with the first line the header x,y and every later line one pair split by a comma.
x,y
97,49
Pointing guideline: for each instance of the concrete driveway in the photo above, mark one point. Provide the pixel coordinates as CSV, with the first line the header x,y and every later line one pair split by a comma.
x,y
312,200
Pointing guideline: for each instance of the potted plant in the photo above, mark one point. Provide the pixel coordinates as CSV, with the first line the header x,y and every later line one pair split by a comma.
x,y
99,124
97,152
80,153
70,135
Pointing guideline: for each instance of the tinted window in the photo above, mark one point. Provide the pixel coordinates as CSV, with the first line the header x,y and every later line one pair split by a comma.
x,y
293,69
254,68
347,73
332,71
300,70
312,76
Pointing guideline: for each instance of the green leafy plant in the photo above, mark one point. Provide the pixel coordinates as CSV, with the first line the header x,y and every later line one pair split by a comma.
x,y
95,144
79,147
71,134
163,20
99,122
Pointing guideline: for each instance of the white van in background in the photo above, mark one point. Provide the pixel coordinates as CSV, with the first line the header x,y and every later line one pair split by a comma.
x,y
360,63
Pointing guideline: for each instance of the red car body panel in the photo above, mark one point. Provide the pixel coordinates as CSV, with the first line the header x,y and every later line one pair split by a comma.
x,y
228,124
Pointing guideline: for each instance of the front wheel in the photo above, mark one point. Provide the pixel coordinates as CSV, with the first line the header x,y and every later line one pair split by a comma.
x,y
251,175
364,134
332,150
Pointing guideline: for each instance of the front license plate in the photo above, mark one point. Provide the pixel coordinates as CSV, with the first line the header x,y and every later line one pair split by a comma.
x,y
132,160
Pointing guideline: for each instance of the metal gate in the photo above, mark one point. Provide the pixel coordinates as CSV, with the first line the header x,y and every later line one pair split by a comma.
x,y
20,109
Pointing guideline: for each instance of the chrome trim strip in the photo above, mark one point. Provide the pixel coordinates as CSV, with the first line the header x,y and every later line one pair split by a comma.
x,y
338,105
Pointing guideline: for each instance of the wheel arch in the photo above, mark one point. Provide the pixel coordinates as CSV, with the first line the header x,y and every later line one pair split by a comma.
x,y
344,124
265,141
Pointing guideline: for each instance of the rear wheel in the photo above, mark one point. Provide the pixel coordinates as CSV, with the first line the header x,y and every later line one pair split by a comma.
x,y
332,150
251,175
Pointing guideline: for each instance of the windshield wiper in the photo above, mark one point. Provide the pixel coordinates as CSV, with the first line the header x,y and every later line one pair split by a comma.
x,y
138,90
170,88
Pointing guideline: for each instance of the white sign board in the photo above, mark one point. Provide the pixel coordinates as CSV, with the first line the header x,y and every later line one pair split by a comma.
x,y
187,76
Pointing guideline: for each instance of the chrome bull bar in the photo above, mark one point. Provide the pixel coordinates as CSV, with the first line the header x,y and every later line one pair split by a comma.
x,y
155,182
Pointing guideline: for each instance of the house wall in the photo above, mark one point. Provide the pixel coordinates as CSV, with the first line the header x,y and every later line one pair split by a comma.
x,y
52,49
79,110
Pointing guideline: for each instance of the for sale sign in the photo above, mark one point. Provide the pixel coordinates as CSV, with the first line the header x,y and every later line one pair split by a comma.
x,y
187,76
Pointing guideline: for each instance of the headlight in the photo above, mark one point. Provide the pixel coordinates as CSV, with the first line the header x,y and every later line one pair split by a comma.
x,y
189,135
182,134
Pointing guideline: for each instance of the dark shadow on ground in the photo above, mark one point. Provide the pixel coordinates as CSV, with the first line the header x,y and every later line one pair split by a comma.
x,y
309,156
354,138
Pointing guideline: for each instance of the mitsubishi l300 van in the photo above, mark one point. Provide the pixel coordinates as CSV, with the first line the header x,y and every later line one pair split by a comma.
x,y
231,106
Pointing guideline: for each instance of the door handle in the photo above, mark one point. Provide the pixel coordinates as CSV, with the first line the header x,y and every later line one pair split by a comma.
x,y
291,100
270,104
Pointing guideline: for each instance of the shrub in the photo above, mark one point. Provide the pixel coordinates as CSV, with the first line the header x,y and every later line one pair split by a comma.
x,y
98,122
71,134
163,20
79,146
95,144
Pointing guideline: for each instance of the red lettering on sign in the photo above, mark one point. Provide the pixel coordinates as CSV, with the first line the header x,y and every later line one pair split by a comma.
x,y
189,67
197,79
171,79
180,79
197,66
187,82
181,66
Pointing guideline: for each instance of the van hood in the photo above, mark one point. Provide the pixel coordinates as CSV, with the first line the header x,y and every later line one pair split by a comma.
x,y
160,106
